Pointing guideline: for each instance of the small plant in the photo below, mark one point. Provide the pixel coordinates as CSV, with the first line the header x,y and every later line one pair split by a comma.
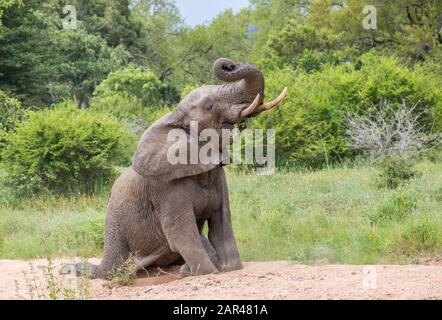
x,y
396,207
51,284
126,274
423,234
48,286
33,284
76,288
418,238
395,171
438,195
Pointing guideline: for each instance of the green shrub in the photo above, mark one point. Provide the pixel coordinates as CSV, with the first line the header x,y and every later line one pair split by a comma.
x,y
395,171
65,149
396,207
170,94
128,110
310,125
420,237
435,155
135,82
432,66
135,96
311,60
11,113
119,105
438,195
295,41
305,47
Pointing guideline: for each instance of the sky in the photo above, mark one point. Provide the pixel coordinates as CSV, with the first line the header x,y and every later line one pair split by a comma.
x,y
199,11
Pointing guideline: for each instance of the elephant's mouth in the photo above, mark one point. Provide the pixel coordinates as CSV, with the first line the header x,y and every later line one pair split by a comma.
x,y
255,108
228,125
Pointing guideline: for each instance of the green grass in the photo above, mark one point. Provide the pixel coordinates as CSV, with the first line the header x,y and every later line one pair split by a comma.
x,y
53,226
329,216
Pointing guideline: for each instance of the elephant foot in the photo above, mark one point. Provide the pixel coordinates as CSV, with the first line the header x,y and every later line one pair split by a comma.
x,y
237,265
185,271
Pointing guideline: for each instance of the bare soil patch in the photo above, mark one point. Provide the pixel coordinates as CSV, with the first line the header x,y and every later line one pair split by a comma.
x,y
257,280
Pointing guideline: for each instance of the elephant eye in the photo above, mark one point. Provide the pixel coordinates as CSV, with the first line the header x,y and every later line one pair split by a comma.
x,y
208,104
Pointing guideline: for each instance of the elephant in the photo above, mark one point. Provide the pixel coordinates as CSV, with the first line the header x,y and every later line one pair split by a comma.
x,y
157,210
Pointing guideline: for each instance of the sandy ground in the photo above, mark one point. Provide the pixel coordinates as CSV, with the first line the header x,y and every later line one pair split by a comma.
x,y
258,280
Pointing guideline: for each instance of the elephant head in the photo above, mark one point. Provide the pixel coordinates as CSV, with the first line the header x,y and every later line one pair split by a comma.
x,y
247,88
215,107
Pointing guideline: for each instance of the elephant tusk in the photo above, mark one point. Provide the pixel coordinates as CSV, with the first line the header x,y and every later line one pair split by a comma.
x,y
274,103
246,112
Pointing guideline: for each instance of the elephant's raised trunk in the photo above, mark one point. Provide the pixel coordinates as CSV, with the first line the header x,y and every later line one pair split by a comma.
x,y
251,80
250,87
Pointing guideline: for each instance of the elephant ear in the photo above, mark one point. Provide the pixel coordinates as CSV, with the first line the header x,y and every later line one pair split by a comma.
x,y
159,146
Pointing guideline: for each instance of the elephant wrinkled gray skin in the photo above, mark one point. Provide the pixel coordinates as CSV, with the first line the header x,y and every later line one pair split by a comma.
x,y
157,210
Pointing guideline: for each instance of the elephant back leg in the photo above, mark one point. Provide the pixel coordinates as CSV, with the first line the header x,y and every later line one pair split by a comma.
x,y
116,250
115,254
210,251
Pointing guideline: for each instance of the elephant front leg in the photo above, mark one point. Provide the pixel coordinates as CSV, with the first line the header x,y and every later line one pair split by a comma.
x,y
223,241
183,237
221,232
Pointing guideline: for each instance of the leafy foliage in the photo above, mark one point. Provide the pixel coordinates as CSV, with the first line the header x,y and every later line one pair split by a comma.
x,y
311,124
5,4
129,110
395,171
11,113
399,205
52,64
63,150
133,59
410,28
134,82
135,96
111,20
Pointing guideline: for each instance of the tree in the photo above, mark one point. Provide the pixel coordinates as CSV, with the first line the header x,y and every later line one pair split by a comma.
x,y
410,28
41,63
302,46
83,61
270,17
224,36
110,19
5,4
395,138
158,44
11,114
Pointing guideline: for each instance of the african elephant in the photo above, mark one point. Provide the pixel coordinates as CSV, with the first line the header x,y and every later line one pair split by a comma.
x,y
157,210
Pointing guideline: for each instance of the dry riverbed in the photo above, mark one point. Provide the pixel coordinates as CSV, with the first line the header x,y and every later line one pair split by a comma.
x,y
258,280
